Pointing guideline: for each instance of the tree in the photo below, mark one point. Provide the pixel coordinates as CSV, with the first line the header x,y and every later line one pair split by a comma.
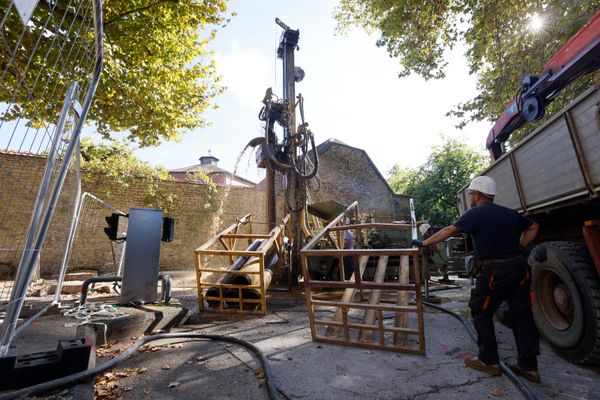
x,y
501,49
400,178
434,185
157,79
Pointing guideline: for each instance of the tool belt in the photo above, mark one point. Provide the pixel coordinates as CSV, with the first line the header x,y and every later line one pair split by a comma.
x,y
472,266
487,261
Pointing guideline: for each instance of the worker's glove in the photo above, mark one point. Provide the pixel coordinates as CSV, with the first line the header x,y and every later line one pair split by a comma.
x,y
417,243
524,251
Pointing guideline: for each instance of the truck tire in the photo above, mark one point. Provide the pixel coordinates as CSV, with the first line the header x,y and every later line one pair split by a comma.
x,y
567,300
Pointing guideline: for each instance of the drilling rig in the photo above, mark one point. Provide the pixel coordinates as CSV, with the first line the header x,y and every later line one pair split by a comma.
x,y
289,156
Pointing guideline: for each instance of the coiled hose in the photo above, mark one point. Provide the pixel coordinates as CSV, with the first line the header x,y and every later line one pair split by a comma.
x,y
523,388
83,375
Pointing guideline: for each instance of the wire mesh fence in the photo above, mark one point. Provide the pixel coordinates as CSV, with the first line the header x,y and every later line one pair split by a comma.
x,y
89,242
50,61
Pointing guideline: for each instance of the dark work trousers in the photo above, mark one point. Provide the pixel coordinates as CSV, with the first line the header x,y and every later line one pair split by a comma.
x,y
495,283
348,267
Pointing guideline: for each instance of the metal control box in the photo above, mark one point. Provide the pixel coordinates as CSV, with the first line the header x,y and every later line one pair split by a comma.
x,y
142,256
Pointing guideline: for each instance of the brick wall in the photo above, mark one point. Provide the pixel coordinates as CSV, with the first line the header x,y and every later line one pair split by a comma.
x,y
194,223
346,174
19,181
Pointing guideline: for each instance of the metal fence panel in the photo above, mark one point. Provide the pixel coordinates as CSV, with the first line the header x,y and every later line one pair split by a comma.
x,y
45,64
87,236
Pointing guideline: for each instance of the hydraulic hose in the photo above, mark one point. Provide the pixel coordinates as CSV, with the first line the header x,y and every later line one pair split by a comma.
x,y
523,388
83,375
316,165
267,120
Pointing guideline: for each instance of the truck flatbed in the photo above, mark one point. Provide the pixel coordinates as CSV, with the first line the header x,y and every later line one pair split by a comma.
x,y
557,165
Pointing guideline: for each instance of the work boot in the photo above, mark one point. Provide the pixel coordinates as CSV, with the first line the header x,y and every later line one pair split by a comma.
x,y
531,375
475,363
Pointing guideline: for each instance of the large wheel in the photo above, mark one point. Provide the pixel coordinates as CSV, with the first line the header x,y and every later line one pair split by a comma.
x,y
567,300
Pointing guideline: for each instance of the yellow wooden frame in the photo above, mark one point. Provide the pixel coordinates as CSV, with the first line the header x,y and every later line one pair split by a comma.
x,y
338,329
223,245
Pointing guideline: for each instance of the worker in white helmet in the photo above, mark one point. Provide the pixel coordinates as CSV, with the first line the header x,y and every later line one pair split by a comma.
x,y
498,235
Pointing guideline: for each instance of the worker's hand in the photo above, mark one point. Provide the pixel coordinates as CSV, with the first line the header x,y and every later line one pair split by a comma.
x,y
416,243
524,251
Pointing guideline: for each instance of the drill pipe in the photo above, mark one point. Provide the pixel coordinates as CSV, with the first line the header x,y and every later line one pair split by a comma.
x,y
253,265
228,278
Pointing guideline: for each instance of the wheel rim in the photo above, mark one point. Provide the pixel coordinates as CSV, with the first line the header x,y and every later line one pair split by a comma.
x,y
555,300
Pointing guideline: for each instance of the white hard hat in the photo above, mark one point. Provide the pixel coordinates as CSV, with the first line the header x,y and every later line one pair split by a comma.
x,y
424,228
484,184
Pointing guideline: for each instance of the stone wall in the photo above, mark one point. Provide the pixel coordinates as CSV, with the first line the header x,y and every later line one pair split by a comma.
x,y
194,222
347,174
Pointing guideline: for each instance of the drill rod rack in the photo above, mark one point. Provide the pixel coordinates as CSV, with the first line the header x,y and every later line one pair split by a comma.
x,y
214,287
365,299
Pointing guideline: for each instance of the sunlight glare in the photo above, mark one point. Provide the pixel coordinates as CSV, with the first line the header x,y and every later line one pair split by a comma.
x,y
536,22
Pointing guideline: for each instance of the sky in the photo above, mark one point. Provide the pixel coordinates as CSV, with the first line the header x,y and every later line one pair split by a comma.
x,y
351,91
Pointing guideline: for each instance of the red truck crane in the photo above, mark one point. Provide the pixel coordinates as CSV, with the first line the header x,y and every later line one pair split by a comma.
x,y
578,57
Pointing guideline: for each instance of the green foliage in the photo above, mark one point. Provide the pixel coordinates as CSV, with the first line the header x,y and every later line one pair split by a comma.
x,y
434,185
400,178
106,165
414,31
199,176
158,77
113,164
501,49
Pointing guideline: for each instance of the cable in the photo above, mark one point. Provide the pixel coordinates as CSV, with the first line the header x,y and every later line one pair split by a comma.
x,y
83,375
441,289
265,115
316,155
523,388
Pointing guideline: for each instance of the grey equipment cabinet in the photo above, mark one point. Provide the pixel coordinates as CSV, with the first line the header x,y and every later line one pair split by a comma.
x,y
142,256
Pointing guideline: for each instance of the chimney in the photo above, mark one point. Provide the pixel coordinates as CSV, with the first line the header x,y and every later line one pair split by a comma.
x,y
208,160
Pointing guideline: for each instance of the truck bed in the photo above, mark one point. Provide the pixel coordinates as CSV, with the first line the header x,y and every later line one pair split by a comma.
x,y
556,166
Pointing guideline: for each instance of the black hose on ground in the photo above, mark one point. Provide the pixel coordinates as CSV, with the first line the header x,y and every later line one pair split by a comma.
x,y
455,285
431,290
83,375
522,386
